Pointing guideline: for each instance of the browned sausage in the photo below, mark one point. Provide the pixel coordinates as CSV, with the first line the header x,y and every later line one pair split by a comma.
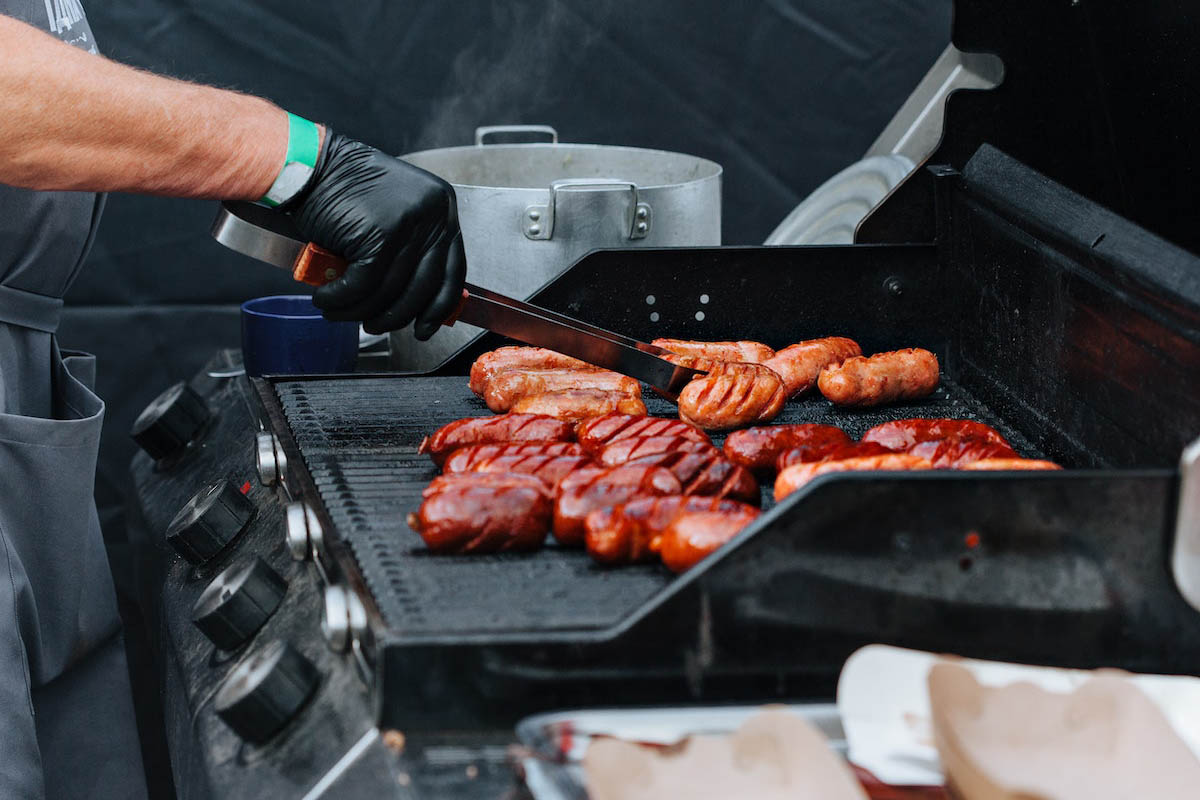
x,y
629,533
590,488
465,458
484,514
800,364
808,455
693,536
576,405
551,469
1010,463
509,386
882,378
750,352
757,449
732,395
902,434
504,429
624,450
956,452
709,474
594,434
795,476
503,358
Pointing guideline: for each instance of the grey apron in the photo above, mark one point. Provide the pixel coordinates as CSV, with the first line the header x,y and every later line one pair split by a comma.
x,y
67,726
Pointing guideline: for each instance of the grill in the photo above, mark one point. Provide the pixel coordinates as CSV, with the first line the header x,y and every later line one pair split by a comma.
x,y
1072,331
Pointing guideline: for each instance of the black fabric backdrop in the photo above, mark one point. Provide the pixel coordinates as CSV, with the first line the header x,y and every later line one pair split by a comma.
x,y
782,93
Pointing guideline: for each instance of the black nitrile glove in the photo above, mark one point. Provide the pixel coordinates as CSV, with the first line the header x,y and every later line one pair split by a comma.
x,y
396,225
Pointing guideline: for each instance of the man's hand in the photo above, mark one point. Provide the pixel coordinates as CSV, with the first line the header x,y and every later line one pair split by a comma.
x,y
397,225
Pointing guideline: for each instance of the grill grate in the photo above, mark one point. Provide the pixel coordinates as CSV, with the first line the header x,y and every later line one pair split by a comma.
x,y
358,437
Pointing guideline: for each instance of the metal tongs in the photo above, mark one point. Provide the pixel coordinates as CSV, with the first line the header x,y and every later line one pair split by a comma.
x,y
271,237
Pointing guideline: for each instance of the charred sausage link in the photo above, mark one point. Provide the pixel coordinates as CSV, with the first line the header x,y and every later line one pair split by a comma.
x,y
576,405
757,449
493,513
624,450
629,533
501,429
503,358
709,474
694,535
550,469
747,351
956,452
795,476
1010,464
594,434
802,455
902,434
732,395
590,488
800,364
465,458
882,378
508,386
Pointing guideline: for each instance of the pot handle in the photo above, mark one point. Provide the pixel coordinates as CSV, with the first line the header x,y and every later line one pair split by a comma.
x,y
538,220
487,130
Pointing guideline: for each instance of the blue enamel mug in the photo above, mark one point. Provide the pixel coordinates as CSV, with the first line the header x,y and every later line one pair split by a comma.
x,y
286,335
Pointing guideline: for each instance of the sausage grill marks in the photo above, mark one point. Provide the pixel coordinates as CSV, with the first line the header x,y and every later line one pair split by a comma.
x,y
902,434
464,459
882,378
694,535
709,474
795,476
576,405
594,434
502,358
732,395
809,455
590,488
757,449
747,351
503,429
550,469
800,364
959,451
508,386
628,449
484,514
629,533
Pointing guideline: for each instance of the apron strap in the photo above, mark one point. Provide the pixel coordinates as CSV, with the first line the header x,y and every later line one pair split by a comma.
x,y
29,310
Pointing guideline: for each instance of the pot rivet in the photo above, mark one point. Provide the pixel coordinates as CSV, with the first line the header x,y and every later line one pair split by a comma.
x,y
642,213
534,214
642,227
534,230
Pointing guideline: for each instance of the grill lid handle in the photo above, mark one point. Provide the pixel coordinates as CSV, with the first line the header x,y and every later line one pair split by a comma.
x,y
1185,559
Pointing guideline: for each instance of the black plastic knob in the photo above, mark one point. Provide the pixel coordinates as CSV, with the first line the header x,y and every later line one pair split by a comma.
x,y
237,603
266,690
170,422
209,522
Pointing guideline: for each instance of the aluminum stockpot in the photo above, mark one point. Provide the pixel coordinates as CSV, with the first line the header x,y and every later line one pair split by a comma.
x,y
529,211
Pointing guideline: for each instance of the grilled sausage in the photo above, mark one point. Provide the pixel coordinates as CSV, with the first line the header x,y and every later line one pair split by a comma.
x,y
800,364
594,434
732,395
508,386
795,476
629,533
465,458
757,449
550,469
808,455
749,352
882,378
694,535
902,434
504,429
628,449
1010,463
503,358
956,452
709,474
590,488
576,405
484,514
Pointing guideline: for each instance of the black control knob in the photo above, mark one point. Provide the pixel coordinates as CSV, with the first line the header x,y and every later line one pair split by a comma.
x,y
211,520
237,603
171,420
266,690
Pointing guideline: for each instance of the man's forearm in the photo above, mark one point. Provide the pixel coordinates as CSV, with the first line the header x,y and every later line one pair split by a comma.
x,y
73,120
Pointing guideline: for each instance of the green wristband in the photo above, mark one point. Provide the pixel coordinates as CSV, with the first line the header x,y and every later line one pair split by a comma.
x,y
303,146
